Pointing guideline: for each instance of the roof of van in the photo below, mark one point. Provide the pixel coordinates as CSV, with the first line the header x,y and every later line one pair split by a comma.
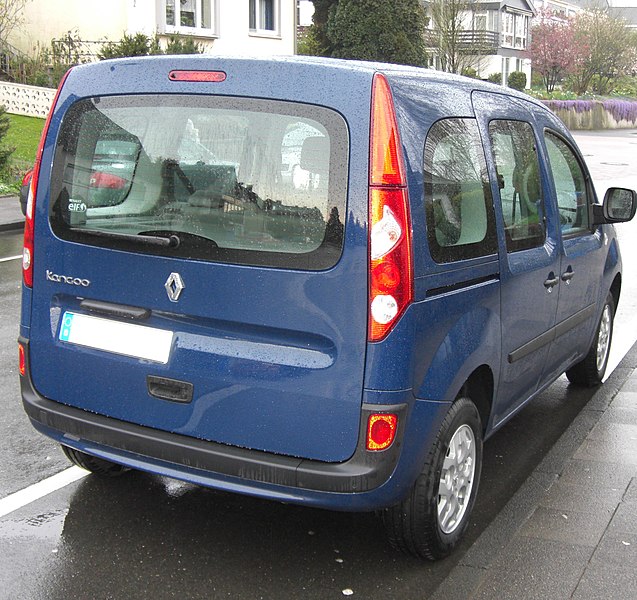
x,y
338,64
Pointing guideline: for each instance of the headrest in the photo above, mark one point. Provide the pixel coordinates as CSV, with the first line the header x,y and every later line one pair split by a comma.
x,y
315,154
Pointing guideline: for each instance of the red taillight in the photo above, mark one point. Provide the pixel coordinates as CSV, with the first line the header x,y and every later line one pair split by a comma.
x,y
381,431
26,179
22,363
27,248
198,76
390,268
107,181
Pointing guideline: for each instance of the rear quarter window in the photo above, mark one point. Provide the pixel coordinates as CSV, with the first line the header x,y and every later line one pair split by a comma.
x,y
459,208
236,180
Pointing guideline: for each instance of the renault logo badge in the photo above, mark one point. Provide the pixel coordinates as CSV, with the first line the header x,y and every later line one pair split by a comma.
x,y
174,286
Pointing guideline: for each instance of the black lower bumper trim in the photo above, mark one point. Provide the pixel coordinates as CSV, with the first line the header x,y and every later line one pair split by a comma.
x,y
364,471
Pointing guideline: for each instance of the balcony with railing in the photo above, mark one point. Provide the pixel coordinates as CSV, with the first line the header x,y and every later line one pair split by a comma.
x,y
469,41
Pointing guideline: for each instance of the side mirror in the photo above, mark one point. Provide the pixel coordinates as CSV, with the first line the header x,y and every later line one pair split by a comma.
x,y
619,206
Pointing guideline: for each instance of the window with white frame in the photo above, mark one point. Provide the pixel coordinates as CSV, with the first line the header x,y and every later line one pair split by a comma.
x,y
515,30
480,21
190,16
264,16
521,31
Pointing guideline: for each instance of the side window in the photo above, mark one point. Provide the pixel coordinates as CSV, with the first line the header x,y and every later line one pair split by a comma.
x,y
516,161
570,186
458,201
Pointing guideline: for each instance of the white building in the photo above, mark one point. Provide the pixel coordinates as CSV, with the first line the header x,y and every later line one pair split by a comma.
x,y
502,32
254,27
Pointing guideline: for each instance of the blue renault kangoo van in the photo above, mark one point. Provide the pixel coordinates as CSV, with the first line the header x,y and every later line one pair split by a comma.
x,y
313,281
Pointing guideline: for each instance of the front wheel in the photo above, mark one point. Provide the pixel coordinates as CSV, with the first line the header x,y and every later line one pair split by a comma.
x,y
590,371
430,522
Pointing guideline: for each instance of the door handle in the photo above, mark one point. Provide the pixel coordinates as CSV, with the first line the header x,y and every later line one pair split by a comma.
x,y
551,282
568,275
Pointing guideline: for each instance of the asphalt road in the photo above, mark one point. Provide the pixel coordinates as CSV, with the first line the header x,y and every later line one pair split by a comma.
x,y
142,536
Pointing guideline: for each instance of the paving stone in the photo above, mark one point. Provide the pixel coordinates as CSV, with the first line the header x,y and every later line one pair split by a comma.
x,y
630,497
508,522
534,569
617,548
606,582
625,519
567,526
583,498
631,383
460,583
597,474
555,460
614,445
625,400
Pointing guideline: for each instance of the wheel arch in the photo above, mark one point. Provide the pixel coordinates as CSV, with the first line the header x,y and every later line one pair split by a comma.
x,y
615,288
479,388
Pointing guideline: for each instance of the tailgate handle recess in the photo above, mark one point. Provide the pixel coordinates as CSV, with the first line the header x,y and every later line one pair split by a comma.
x,y
115,310
169,389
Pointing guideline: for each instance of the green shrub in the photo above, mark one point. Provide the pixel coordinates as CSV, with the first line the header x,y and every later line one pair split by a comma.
x,y
537,80
308,43
517,80
130,45
178,44
470,72
142,45
625,87
6,178
5,153
495,78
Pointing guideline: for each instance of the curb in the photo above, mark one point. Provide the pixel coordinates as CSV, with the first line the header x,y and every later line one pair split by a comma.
x,y
466,578
13,226
11,217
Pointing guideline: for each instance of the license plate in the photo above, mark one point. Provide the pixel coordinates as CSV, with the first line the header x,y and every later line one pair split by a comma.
x,y
127,339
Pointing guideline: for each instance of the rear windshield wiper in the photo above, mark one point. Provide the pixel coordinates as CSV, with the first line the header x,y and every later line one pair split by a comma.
x,y
180,238
169,241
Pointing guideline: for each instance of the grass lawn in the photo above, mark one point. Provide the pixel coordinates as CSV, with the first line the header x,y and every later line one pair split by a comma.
x,y
24,136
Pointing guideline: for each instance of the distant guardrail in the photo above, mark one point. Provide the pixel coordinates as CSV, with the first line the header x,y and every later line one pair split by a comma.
x,y
28,100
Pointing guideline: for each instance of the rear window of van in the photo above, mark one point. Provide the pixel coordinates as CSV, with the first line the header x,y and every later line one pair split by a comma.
x,y
245,181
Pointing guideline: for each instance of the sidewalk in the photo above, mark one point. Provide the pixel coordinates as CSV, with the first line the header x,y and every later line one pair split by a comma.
x,y
11,216
570,531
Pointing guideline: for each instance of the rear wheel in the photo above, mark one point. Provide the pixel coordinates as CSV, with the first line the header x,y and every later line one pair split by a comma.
x,y
99,466
590,371
430,522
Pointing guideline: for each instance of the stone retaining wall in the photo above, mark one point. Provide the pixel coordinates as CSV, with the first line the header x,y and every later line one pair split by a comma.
x,y
595,114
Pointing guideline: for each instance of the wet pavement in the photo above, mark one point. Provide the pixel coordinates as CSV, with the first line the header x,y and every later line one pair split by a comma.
x,y
570,531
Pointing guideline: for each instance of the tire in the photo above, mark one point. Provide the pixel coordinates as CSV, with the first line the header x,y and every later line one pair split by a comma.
x,y
590,371
423,524
99,466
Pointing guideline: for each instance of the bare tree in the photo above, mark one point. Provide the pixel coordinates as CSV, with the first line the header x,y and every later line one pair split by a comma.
x,y
455,37
11,17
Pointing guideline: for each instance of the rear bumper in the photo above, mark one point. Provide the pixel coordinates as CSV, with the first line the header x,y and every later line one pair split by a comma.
x,y
218,465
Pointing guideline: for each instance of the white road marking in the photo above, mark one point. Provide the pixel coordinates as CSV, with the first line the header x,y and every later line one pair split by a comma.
x,y
10,258
39,490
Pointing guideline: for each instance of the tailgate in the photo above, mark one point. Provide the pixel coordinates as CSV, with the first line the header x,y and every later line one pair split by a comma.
x,y
193,272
